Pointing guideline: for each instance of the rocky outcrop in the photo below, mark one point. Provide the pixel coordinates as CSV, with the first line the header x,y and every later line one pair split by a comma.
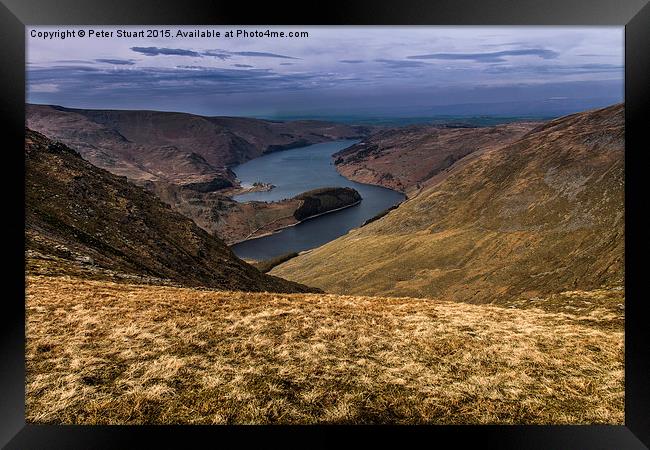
x,y
235,222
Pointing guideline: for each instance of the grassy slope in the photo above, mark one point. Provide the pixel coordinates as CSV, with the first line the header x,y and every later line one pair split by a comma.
x,y
100,352
539,216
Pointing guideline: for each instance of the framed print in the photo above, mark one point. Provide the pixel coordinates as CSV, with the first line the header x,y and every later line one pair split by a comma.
x,y
420,217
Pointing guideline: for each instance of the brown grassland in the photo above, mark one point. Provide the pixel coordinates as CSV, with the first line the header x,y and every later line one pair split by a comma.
x,y
100,352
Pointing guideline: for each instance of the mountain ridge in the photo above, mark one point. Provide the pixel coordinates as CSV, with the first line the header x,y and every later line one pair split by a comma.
x,y
405,158
158,145
183,158
539,215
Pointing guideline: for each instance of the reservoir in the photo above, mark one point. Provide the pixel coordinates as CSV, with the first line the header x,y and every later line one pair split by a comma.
x,y
298,170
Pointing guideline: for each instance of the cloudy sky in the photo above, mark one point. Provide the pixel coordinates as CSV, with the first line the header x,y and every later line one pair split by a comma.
x,y
336,70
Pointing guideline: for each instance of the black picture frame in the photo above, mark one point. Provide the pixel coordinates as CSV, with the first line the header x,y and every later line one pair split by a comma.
x,y
633,14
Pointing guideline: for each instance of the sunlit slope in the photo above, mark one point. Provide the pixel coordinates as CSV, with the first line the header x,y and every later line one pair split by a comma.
x,y
104,353
542,215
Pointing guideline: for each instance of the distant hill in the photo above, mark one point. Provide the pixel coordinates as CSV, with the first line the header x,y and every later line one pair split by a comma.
x,y
549,107
541,215
405,158
82,220
174,147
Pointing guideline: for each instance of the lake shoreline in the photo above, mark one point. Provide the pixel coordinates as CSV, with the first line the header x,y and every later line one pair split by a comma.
x,y
277,230
295,172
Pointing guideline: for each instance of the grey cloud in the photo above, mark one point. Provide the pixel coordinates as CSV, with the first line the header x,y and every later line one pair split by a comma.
x,y
73,61
155,51
242,65
176,81
490,56
225,54
221,54
351,61
508,44
186,67
63,69
119,62
599,67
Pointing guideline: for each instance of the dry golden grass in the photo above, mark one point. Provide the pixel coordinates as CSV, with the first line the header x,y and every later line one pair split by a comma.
x,y
105,353
540,215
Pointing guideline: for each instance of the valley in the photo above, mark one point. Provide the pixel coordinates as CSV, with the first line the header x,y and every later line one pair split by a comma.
x,y
492,294
198,165
296,175
176,147
551,186
293,172
186,159
84,221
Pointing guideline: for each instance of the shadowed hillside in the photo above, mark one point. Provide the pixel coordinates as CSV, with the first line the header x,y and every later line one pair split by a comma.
x,y
83,220
541,215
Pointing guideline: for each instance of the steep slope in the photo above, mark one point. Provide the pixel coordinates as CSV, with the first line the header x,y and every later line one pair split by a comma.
x,y
107,148
541,215
82,219
405,158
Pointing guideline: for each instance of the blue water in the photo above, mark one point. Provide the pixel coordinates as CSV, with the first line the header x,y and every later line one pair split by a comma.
x,y
298,170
